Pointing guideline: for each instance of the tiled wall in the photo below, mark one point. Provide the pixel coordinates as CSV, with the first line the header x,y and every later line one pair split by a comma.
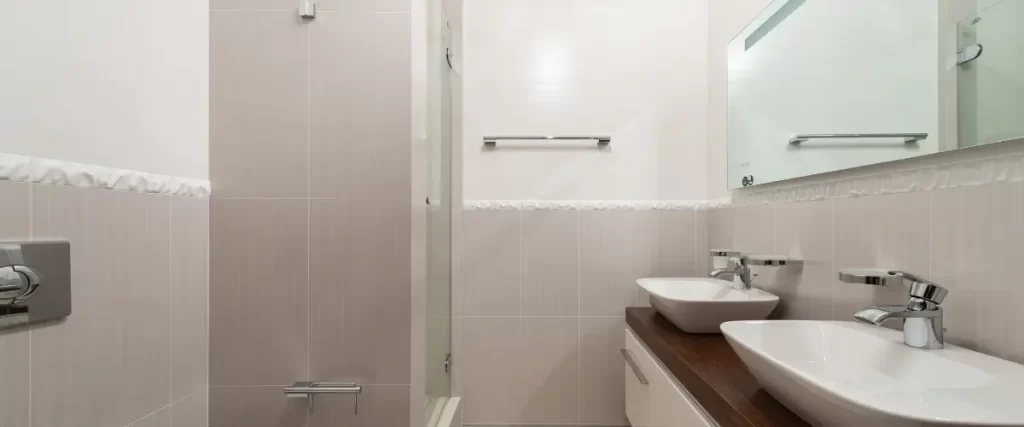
x,y
966,239
632,69
539,321
310,252
134,350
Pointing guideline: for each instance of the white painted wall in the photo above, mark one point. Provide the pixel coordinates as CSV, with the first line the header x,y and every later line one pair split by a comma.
x,y
117,83
634,69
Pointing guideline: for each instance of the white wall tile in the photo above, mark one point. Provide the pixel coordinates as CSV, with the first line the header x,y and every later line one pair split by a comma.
x,y
542,67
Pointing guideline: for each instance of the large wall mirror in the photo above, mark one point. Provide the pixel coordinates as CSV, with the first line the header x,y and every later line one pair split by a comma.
x,y
822,85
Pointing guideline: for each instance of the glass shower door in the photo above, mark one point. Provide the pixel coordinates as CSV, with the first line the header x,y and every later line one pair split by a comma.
x,y
438,328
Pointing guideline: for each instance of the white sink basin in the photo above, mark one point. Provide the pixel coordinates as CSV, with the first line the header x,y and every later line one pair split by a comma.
x,y
701,305
849,374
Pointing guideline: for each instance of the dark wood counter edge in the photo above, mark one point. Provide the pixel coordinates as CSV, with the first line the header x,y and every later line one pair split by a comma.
x,y
709,369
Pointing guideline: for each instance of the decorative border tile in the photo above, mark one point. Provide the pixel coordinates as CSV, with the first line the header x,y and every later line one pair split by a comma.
x,y
36,170
969,173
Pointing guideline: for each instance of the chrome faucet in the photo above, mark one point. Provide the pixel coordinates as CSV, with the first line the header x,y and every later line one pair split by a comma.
x,y
739,268
922,316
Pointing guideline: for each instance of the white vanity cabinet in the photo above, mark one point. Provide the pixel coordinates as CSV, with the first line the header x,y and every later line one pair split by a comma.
x,y
661,402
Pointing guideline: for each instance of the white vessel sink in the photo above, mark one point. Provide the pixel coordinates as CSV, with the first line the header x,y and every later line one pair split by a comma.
x,y
701,305
849,374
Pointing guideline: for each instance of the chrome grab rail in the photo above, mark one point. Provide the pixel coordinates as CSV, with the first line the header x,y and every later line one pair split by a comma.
x,y
308,389
908,138
632,365
601,140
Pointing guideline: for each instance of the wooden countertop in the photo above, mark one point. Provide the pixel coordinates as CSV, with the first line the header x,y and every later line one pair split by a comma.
x,y
709,369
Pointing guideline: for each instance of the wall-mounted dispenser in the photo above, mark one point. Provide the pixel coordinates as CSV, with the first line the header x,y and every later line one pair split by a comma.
x,y
35,282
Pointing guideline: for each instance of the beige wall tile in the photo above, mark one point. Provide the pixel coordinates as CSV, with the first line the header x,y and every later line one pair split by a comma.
x,y
882,232
14,343
192,411
76,366
702,262
550,356
14,378
255,407
615,251
674,244
602,386
259,292
258,102
161,418
190,235
753,229
803,231
721,224
976,240
360,292
493,379
142,263
492,263
550,263
360,110
15,220
379,406
251,5
357,7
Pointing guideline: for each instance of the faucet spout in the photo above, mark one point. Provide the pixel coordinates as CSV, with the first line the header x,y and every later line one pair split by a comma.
x,y
922,321
720,271
879,314
738,268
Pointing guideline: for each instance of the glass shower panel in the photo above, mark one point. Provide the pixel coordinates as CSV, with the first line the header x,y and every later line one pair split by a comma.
x,y
438,327
990,78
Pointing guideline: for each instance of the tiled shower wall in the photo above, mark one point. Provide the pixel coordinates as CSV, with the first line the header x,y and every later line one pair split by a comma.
x,y
967,239
133,352
539,322
310,251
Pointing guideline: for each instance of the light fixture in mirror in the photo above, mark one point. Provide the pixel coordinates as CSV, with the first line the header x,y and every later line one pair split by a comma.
x,y
825,85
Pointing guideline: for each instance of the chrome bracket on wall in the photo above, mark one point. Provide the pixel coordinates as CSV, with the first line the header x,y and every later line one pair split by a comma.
x,y
309,390
35,282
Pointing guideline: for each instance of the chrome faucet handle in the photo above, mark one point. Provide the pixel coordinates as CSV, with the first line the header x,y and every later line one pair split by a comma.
x,y
869,276
923,288
772,261
919,286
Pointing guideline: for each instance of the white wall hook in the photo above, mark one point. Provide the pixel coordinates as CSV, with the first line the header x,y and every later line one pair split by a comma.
x,y
307,9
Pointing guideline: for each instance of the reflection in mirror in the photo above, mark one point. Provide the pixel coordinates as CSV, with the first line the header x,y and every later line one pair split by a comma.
x,y
990,77
824,85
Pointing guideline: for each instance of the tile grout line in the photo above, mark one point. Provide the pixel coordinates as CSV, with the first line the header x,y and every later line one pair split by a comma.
x,y
835,268
170,297
31,237
579,311
309,220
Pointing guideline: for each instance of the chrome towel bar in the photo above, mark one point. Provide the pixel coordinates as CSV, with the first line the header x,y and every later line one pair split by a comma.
x,y
601,140
908,138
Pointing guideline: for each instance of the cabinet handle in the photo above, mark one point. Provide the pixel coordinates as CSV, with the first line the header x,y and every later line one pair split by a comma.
x,y
632,365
